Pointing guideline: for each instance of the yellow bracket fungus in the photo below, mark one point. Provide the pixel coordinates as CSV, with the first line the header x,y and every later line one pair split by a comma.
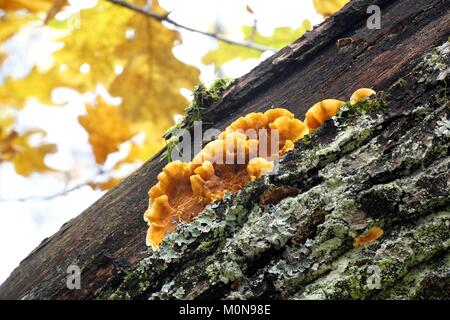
x,y
373,234
245,151
360,95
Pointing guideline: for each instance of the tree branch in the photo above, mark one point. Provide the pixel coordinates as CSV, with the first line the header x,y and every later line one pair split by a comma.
x,y
61,193
161,18
46,197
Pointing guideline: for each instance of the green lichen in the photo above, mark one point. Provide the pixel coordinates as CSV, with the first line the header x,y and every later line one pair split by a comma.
x,y
227,272
426,281
350,114
399,84
390,261
434,66
443,129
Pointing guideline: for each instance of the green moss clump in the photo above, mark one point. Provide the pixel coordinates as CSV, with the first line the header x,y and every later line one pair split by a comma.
x,y
400,83
203,100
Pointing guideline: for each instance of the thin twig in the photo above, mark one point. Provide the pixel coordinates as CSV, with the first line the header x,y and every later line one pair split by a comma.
x,y
54,195
161,18
47,197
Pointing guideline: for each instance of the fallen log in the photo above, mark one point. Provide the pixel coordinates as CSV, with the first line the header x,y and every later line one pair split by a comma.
x,y
385,165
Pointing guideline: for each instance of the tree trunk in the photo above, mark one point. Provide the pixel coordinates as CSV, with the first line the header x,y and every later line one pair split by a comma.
x,y
382,163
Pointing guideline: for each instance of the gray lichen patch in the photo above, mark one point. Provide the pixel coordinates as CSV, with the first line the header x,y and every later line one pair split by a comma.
x,y
443,129
381,266
435,65
429,280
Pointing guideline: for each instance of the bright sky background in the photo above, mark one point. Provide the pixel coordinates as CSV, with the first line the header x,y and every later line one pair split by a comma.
x,y
23,225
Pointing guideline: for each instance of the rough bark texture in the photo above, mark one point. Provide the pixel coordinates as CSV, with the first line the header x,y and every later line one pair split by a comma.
x,y
384,162
289,235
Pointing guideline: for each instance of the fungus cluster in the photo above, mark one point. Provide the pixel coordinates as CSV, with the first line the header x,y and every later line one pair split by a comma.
x,y
245,151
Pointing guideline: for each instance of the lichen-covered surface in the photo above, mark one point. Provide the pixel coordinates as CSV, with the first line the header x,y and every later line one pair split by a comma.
x,y
382,163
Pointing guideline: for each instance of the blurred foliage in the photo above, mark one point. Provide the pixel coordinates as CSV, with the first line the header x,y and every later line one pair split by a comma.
x,y
107,129
18,150
131,56
329,7
281,36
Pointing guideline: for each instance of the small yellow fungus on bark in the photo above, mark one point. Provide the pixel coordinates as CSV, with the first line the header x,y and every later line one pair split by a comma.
x,y
373,234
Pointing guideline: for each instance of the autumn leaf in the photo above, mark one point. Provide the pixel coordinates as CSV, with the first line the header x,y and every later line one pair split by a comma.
x,y
11,23
31,5
102,29
28,159
329,7
17,149
151,81
106,128
153,69
109,184
281,37
37,85
140,152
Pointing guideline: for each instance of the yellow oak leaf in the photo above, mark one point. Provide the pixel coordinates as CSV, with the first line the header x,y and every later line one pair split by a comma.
x,y
328,7
89,51
141,152
38,85
26,158
153,69
30,5
151,81
107,129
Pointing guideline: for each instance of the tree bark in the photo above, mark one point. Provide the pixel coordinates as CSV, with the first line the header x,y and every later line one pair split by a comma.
x,y
383,163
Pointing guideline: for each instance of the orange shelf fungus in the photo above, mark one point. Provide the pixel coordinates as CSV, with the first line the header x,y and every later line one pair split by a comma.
x,y
243,152
373,234
361,94
322,111
258,167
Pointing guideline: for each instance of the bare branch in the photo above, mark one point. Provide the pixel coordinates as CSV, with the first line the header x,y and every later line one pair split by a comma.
x,y
161,18
61,193
47,197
